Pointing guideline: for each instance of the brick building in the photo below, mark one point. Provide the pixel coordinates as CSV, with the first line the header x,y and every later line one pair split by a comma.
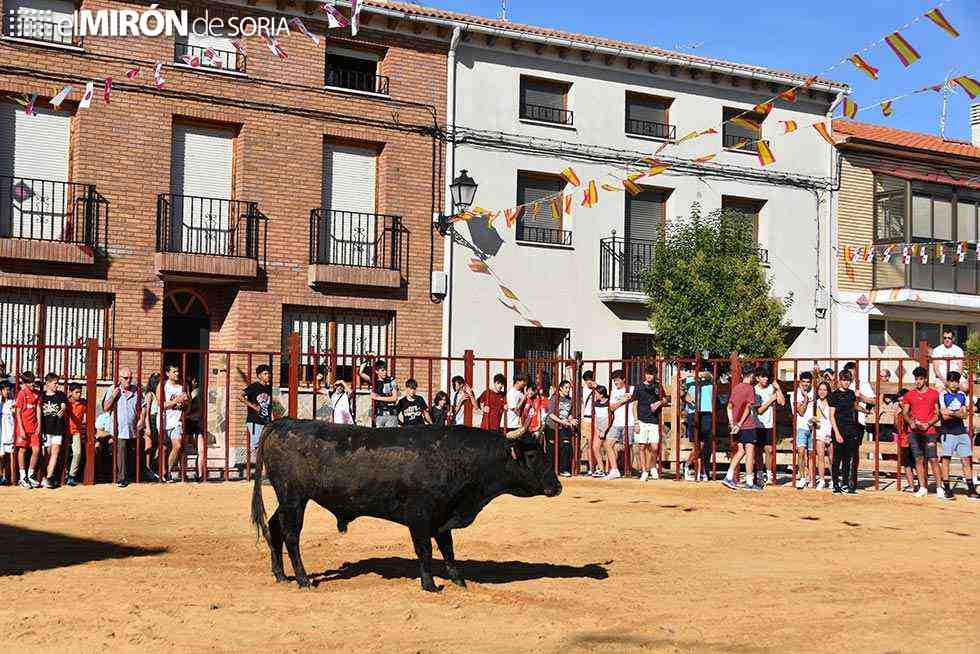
x,y
246,198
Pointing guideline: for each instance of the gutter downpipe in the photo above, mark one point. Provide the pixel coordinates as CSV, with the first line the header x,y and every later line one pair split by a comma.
x,y
448,242
832,249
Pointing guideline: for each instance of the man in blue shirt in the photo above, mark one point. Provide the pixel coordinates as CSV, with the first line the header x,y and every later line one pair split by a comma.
x,y
955,439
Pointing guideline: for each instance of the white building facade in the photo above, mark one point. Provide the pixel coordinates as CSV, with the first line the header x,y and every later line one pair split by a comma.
x,y
525,104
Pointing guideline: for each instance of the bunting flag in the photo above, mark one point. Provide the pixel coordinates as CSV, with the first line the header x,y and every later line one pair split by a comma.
x,y
192,61
556,207
765,154
62,95
86,101
133,73
961,251
902,49
29,109
655,170
298,25
335,19
158,75
809,82
937,17
978,250
535,208
568,205
968,84
509,294
863,66
906,254
738,145
631,186
869,255
705,159
850,108
663,146
887,253
886,109
569,175
824,132
692,135
239,45
479,266
534,322
789,95
848,254
107,90
791,126
745,121
462,217
940,253
924,254
763,108
611,188
590,196
210,56
512,307
273,44
513,215
355,16
491,216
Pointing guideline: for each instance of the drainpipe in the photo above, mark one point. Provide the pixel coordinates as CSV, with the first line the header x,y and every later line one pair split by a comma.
x,y
447,249
831,249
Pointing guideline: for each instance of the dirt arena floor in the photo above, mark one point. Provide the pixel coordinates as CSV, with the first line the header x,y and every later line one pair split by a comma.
x,y
605,567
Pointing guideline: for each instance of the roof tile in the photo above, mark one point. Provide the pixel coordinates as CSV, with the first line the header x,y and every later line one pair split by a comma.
x,y
845,130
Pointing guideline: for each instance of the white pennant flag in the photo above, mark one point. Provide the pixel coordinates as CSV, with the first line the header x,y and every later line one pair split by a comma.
x,y
61,97
961,251
298,24
158,75
355,16
907,254
87,96
869,254
886,254
335,19
923,254
942,253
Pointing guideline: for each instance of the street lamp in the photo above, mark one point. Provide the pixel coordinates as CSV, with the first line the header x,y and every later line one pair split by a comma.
x,y
462,190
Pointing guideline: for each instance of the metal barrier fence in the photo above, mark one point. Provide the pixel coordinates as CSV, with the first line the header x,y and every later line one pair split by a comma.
x,y
307,384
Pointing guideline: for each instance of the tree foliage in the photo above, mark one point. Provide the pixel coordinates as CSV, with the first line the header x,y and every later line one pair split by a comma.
x,y
707,290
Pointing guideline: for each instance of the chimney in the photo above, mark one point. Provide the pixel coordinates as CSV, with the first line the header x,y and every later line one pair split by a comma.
x,y
975,124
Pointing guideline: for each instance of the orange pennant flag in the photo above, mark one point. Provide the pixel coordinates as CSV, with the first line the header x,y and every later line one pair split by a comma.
x,y
611,188
706,158
632,187
765,154
571,177
902,49
791,126
745,121
513,215
555,204
568,205
491,216
509,294
789,95
462,216
737,145
694,135
763,108
662,147
824,132
937,17
656,170
809,82
850,108
863,66
479,266
968,84
590,196
886,109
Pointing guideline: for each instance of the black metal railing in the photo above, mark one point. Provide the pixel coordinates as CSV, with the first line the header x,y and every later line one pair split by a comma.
x,y
26,26
547,114
211,226
653,130
356,80
46,210
363,240
547,235
210,57
740,142
622,263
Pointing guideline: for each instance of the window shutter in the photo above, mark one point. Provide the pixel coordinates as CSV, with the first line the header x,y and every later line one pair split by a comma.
x,y
71,320
543,94
646,109
201,171
646,215
536,189
349,174
18,326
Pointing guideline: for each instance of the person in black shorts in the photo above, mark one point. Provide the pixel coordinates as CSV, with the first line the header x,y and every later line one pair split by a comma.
x,y
847,434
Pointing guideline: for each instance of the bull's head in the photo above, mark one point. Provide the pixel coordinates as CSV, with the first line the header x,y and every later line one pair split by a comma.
x,y
535,472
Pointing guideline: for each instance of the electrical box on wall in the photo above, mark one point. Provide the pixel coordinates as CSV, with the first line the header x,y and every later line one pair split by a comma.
x,y
440,285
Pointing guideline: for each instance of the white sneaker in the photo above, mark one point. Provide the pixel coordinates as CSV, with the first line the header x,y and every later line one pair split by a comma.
x,y
922,492
644,476
771,478
802,482
689,474
821,484
703,477
654,473
942,494
598,473
612,474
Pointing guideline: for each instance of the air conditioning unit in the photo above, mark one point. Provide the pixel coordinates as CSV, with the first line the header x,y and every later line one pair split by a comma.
x,y
440,284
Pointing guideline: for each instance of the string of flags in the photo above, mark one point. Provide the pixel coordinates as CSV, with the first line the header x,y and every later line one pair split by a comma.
x,y
937,252
510,299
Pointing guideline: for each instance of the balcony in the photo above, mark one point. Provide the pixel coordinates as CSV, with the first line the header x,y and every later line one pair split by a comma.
x,y
209,238
356,80
729,141
28,28
547,114
357,249
210,57
651,130
57,222
544,235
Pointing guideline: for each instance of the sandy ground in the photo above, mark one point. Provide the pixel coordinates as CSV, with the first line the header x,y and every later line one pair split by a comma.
x,y
607,566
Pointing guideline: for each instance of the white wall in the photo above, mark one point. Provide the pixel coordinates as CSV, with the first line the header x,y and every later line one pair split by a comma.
x,y
560,286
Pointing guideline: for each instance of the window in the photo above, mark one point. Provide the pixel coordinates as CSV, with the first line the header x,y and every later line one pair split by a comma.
x,y
645,222
538,224
350,334
540,349
636,346
744,132
932,222
56,26
354,69
747,224
649,116
36,200
899,338
890,222
546,101
52,319
208,50
348,227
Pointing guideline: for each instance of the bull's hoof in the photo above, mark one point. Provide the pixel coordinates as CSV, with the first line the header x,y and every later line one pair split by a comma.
x,y
280,577
304,583
459,581
431,587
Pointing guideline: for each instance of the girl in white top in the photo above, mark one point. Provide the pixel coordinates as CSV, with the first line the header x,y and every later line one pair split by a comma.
x,y
6,426
822,418
340,404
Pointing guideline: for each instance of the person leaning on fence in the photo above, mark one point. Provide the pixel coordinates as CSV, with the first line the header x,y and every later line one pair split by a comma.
x,y
77,430
947,357
27,428
921,408
6,431
257,398
561,416
767,394
802,418
384,394
585,423
439,411
121,402
175,401
744,426
149,422
823,425
953,406
341,408
619,400
516,399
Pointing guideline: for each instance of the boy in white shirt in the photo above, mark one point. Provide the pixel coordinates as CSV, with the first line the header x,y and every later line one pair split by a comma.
x,y
803,415
766,394
6,430
619,400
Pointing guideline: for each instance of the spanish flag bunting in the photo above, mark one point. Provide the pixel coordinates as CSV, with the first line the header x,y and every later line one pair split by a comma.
x,y
571,177
479,266
863,66
611,188
535,208
491,216
968,84
568,205
705,159
923,254
512,307
745,121
513,215
763,108
738,145
555,204
656,170
791,126
534,322
509,294
765,154
694,135
590,196
789,95
869,254
886,109
848,253
462,216
850,108
937,17
902,49
631,186
824,132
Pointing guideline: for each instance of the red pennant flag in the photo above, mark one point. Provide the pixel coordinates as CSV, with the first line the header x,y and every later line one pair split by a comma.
x,y
133,73
568,204
902,49
706,158
513,215
789,95
763,108
107,90
631,186
937,17
193,62
809,82
591,195
863,66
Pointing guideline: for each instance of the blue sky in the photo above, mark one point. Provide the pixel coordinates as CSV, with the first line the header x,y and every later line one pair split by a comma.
x,y
804,37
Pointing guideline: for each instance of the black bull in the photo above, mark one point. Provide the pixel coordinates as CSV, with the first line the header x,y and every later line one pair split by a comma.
x,y
430,479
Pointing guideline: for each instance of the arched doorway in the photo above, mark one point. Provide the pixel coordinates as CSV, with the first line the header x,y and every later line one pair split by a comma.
x,y
186,326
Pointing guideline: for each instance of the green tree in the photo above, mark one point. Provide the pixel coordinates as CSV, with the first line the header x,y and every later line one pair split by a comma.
x,y
707,290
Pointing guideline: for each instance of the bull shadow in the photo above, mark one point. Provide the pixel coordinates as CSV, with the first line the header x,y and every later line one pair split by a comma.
x,y
480,572
29,550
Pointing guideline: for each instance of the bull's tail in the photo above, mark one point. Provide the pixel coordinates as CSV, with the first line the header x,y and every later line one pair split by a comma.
x,y
259,518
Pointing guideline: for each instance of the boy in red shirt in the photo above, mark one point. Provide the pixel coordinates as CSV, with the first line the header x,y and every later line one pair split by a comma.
x,y
921,408
27,429
76,429
493,403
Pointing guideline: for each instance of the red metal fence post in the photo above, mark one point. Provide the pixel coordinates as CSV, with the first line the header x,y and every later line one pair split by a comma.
x,y
924,354
468,378
91,395
293,344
